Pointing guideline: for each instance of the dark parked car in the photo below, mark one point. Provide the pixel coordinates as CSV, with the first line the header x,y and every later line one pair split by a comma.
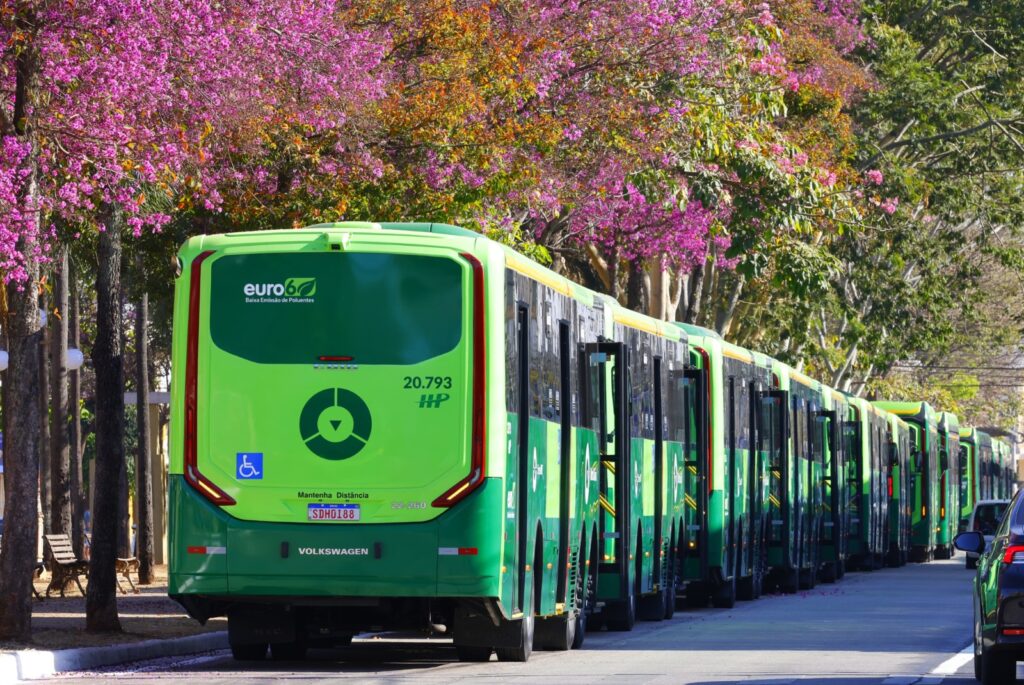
x,y
998,596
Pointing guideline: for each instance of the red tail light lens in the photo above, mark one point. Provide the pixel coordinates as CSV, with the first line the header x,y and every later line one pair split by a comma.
x,y
1014,554
479,424
203,485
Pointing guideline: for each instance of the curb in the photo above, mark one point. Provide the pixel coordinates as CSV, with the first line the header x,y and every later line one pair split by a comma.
x,y
33,664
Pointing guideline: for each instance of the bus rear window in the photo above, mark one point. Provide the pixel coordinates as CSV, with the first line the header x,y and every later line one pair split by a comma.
x,y
307,307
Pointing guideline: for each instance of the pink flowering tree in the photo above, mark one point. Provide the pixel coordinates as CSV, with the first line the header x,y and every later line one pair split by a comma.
x,y
108,104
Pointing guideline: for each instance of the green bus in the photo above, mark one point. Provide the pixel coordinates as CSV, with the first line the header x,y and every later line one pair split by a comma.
x,y
949,487
411,426
838,495
867,475
925,469
1007,472
728,487
978,446
970,486
900,490
795,553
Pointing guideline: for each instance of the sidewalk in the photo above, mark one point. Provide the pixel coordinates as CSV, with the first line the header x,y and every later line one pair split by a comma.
x,y
154,625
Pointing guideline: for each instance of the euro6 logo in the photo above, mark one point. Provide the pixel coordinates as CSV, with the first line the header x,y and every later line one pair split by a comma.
x,y
300,287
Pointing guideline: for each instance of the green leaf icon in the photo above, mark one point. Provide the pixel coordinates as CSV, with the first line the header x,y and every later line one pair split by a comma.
x,y
300,287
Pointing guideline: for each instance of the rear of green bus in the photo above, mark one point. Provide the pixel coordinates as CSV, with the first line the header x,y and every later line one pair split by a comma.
x,y
949,487
969,482
924,474
328,470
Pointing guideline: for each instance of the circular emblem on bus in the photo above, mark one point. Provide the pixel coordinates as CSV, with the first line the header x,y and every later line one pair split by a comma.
x,y
335,424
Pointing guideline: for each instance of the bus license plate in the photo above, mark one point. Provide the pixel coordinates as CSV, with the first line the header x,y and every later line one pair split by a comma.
x,y
332,512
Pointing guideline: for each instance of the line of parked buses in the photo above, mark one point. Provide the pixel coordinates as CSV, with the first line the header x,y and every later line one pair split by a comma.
x,y
582,465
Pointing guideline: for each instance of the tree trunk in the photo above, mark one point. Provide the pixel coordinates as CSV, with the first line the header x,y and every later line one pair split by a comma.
x,y
60,466
101,600
723,322
124,531
635,288
660,291
144,483
675,296
78,500
18,552
44,420
696,296
21,384
711,279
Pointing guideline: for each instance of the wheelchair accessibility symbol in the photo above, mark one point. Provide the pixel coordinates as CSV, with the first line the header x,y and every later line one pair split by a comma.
x,y
249,466
335,424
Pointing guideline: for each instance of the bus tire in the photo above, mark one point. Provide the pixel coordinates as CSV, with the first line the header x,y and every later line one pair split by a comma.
x,y
745,591
652,607
670,599
725,595
808,576
584,602
789,583
555,633
522,652
621,615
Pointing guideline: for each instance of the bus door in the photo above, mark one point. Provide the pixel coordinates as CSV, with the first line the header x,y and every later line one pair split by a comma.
x,y
698,452
834,482
756,480
731,543
855,474
659,469
565,459
522,457
785,476
614,485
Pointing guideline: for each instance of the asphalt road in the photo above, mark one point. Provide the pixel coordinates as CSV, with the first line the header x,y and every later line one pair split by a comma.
x,y
891,627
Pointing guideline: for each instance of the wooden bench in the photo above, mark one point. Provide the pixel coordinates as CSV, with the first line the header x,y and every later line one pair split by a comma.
x,y
66,567
122,567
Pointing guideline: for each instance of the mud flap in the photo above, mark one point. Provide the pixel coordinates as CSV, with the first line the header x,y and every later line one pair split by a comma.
x,y
475,628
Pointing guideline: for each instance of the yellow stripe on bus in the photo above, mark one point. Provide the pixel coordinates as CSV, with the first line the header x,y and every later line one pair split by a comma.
x,y
538,273
743,357
635,322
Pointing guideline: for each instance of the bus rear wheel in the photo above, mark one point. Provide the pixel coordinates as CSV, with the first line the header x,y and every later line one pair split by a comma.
x,y
556,633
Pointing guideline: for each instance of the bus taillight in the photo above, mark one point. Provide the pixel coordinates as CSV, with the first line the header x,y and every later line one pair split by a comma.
x,y
203,485
478,449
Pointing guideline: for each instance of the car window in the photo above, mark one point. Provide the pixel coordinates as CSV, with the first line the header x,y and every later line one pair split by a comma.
x,y
1012,511
987,517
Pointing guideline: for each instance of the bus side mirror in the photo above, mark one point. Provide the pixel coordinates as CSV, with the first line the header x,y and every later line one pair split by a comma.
x,y
894,455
